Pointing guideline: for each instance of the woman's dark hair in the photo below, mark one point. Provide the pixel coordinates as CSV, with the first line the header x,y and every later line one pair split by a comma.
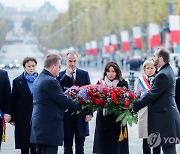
x,y
116,68
27,59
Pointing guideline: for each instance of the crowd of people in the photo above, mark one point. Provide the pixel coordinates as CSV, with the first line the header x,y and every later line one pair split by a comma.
x,y
43,114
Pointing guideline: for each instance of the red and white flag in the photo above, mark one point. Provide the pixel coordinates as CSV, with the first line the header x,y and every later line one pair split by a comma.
x,y
174,25
106,41
94,47
137,34
125,41
154,35
114,42
88,48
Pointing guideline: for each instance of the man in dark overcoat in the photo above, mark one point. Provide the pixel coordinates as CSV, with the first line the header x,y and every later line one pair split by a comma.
x,y
163,115
49,103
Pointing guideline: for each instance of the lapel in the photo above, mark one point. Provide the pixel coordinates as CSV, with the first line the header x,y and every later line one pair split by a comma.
x,y
61,74
24,85
165,65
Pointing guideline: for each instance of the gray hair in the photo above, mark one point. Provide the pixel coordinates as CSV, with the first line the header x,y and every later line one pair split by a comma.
x,y
72,52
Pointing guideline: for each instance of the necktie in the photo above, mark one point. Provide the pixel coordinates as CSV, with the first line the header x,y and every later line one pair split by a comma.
x,y
73,79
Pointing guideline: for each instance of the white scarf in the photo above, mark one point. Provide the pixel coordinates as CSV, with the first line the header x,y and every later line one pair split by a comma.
x,y
110,83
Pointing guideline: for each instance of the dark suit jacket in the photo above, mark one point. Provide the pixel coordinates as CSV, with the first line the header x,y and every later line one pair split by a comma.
x,y
177,93
82,78
5,94
163,115
22,106
49,103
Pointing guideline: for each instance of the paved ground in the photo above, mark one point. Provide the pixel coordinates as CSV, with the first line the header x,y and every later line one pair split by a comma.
x,y
134,141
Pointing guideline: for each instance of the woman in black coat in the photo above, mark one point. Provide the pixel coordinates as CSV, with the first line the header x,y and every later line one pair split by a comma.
x,y
107,131
22,105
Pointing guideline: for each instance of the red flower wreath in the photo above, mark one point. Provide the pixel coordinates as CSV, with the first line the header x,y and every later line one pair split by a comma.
x,y
115,100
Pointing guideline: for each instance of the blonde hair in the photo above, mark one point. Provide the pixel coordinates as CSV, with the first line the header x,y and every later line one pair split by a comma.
x,y
148,61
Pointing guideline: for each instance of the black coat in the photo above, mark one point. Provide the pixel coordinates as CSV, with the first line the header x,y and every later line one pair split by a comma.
x,y
5,95
5,92
22,106
49,103
107,133
177,93
82,78
163,115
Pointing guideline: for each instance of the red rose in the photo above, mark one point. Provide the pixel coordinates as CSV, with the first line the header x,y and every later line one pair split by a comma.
x,y
121,90
89,92
96,93
131,95
118,93
115,101
114,97
81,101
104,91
126,102
97,101
103,102
93,99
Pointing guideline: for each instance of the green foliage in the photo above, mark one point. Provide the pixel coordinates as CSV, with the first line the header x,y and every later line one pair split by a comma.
x,y
127,117
5,26
92,19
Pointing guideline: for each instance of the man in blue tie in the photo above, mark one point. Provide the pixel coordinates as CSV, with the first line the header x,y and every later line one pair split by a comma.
x,y
74,125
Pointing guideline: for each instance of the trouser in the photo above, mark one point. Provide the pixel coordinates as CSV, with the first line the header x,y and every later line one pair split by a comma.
x,y
46,149
28,151
1,132
169,149
79,140
147,149
79,145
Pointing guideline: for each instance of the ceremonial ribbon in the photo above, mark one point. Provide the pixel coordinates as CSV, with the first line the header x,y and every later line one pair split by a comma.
x,y
144,83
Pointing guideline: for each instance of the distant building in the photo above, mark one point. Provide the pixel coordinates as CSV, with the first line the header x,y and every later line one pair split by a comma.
x,y
6,12
47,13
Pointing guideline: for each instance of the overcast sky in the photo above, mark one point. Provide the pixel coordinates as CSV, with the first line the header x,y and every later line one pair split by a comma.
x,y
61,5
